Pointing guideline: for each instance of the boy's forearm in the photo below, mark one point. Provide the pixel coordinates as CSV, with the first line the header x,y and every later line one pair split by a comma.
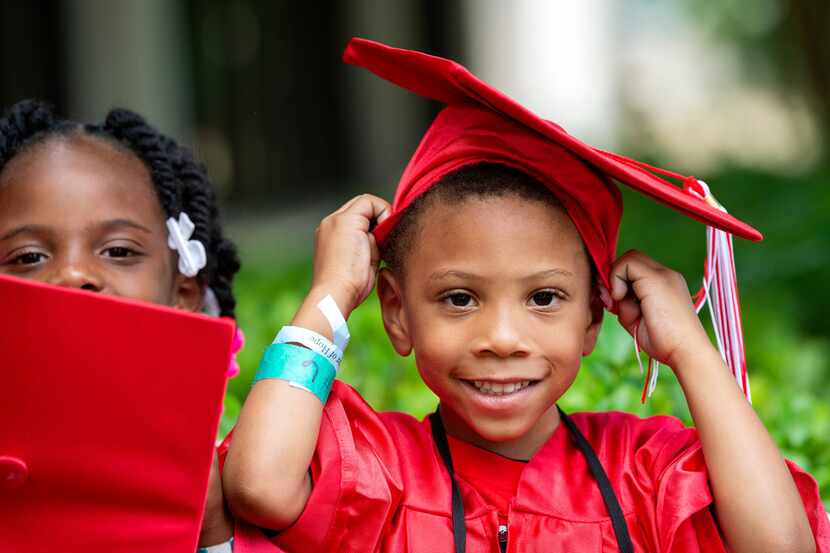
x,y
757,504
266,473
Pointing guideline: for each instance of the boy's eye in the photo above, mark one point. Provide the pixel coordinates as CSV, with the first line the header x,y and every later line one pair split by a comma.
x,y
544,298
28,258
459,299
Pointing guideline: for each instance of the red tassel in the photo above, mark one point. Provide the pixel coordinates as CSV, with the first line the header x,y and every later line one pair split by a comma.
x,y
653,367
720,291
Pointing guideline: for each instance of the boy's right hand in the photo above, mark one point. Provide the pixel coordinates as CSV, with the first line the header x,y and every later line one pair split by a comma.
x,y
266,475
346,257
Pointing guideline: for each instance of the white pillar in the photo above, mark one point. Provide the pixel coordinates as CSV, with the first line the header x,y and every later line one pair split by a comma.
x,y
126,53
384,122
555,57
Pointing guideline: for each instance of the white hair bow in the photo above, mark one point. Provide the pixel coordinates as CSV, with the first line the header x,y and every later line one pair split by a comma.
x,y
192,256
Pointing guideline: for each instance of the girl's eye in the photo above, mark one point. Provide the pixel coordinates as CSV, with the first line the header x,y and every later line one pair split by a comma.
x,y
459,299
119,251
544,298
28,258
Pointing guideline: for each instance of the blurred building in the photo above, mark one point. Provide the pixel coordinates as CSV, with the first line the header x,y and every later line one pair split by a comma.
x,y
259,89
257,86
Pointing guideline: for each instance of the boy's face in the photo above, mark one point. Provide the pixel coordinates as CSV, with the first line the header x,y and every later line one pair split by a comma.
x,y
80,213
497,303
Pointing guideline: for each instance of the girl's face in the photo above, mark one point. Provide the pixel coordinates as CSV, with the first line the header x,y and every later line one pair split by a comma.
x,y
81,213
496,301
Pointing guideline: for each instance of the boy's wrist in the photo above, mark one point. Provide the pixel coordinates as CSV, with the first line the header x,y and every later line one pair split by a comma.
x,y
310,317
346,300
696,361
694,345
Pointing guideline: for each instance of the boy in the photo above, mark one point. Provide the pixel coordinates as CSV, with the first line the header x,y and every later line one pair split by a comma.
x,y
500,251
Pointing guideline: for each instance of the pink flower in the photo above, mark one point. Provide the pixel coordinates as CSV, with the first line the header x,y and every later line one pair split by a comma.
x,y
236,346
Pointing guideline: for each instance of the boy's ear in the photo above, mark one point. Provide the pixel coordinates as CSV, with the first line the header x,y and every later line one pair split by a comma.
x,y
392,311
188,293
597,309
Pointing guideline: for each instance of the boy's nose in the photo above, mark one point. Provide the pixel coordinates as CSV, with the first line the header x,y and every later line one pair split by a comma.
x,y
502,335
77,275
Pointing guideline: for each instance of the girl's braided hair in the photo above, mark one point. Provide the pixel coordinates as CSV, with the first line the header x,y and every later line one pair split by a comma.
x,y
181,183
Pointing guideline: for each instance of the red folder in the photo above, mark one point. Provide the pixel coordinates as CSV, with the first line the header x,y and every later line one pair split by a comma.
x,y
108,415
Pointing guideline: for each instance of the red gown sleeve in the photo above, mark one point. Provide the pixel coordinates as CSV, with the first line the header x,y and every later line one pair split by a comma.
x,y
681,516
818,517
356,483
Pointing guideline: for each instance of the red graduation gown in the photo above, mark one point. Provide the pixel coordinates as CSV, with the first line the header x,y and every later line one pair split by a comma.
x,y
379,485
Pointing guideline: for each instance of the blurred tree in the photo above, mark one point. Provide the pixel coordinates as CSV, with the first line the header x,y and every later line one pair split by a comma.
x,y
809,21
781,41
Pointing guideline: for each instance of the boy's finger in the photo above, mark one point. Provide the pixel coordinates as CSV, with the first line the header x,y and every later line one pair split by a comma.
x,y
628,312
346,205
374,252
605,297
370,207
619,284
628,268
623,273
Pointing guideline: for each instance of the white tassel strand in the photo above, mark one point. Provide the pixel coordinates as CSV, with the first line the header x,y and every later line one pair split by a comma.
x,y
720,292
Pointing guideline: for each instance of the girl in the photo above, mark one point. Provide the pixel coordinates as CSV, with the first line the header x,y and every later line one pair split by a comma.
x,y
91,207
500,256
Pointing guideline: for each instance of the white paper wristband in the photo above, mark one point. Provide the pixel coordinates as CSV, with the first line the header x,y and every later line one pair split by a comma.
x,y
333,315
226,547
312,340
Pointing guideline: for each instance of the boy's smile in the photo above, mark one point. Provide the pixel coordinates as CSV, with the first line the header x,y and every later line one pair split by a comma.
x,y
496,301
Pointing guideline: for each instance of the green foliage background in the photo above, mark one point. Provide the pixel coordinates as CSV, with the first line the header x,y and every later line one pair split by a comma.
x,y
784,300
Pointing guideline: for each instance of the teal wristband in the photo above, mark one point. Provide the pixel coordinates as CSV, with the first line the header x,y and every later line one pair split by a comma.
x,y
301,367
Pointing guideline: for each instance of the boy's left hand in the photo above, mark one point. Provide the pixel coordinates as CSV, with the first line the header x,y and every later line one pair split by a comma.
x,y
669,329
747,496
217,526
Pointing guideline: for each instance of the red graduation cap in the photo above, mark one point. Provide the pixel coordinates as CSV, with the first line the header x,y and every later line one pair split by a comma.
x,y
482,125
109,411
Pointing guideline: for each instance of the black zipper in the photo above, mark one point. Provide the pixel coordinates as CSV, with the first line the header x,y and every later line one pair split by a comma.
x,y
503,538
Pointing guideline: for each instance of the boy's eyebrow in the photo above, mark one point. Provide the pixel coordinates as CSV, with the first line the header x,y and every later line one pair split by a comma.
x,y
442,274
25,229
549,273
446,273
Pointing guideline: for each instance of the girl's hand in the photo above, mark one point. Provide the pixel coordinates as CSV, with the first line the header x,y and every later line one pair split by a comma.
x,y
217,526
669,329
346,256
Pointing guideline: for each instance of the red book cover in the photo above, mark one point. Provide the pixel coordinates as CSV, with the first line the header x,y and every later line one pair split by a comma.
x,y
108,415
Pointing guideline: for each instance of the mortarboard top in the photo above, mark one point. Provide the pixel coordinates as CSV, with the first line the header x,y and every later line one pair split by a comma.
x,y
579,174
109,411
